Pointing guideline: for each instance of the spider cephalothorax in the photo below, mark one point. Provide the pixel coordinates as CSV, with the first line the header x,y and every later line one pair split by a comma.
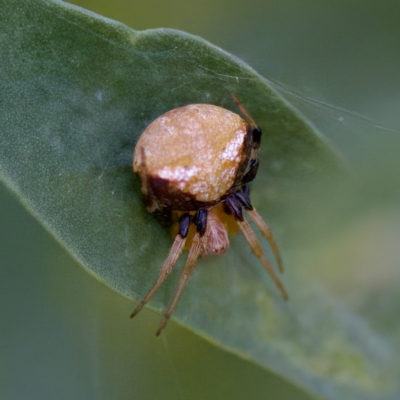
x,y
195,163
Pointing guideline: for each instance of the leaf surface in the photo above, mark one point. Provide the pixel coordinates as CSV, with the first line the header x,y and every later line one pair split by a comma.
x,y
76,92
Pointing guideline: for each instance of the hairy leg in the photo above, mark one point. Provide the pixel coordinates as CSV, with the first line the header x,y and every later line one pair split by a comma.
x,y
169,262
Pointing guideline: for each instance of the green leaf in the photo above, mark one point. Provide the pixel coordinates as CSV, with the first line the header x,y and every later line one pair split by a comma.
x,y
76,92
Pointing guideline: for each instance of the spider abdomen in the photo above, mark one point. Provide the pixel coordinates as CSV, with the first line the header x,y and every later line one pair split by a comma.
x,y
190,157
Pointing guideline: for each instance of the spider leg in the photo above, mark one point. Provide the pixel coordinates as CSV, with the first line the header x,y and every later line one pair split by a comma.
x,y
200,220
258,251
243,110
266,231
243,197
194,252
169,262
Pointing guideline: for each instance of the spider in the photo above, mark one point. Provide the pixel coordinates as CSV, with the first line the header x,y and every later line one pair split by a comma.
x,y
195,163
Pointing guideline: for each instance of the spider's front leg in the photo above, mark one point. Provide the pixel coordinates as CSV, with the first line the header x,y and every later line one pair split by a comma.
x,y
200,220
170,261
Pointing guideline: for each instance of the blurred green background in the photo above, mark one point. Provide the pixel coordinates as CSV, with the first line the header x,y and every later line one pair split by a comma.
x,y
66,336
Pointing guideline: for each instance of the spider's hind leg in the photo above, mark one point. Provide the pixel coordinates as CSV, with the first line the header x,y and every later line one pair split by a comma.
x,y
235,205
266,231
243,196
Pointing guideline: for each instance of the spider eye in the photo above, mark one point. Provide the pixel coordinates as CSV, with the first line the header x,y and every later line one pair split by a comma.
x,y
257,134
